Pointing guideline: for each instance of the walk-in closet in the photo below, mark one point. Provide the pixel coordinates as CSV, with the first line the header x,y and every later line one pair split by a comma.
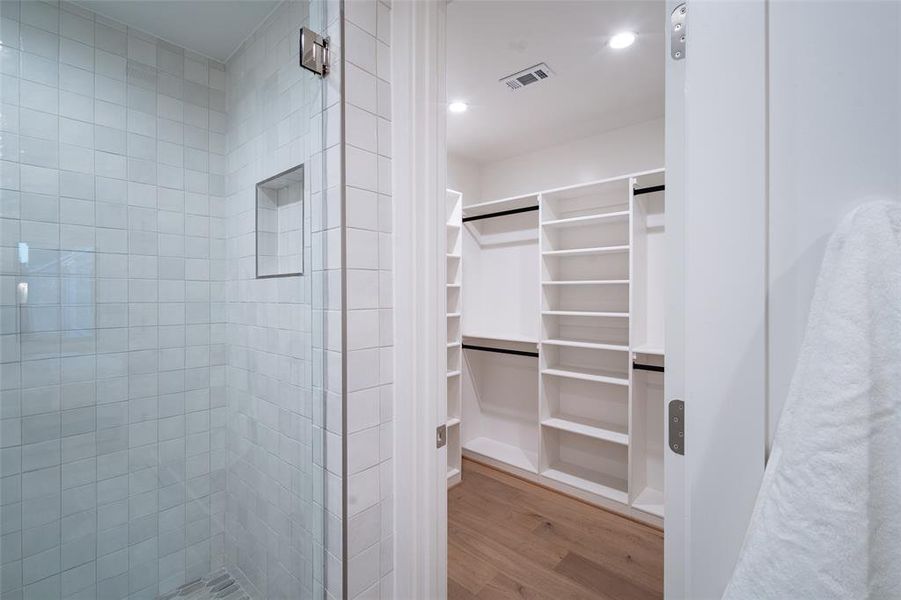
x,y
556,221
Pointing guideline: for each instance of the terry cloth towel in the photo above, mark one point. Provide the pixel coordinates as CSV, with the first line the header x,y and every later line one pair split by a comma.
x,y
827,522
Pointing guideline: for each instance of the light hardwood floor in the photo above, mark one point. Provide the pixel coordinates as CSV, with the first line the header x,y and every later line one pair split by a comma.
x,y
510,539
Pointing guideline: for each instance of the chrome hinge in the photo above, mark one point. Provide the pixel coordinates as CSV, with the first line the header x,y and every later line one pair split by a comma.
x,y
441,436
677,426
677,32
314,52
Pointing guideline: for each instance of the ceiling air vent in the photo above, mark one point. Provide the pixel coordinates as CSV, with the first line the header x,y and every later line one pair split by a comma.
x,y
527,77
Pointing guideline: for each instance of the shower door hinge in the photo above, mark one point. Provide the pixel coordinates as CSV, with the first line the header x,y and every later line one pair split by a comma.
x,y
314,52
678,30
441,436
677,426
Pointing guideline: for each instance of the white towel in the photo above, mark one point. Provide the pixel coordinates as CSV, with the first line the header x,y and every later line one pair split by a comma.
x,y
827,523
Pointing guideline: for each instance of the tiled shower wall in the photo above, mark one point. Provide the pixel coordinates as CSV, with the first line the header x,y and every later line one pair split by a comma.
x,y
113,398
370,352
284,504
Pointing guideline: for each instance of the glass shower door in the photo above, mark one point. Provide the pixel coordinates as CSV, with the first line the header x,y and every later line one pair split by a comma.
x,y
162,400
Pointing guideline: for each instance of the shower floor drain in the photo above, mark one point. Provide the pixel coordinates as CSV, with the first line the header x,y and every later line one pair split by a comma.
x,y
215,586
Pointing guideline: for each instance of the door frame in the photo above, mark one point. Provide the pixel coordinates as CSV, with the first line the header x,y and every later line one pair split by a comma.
x,y
716,311
716,320
419,165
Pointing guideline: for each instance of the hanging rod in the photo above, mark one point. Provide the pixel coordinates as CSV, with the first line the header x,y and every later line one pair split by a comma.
x,y
500,350
502,213
648,190
644,367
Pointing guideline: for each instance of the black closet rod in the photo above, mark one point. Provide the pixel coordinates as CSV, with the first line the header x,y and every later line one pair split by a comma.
x,y
644,367
648,190
502,213
499,350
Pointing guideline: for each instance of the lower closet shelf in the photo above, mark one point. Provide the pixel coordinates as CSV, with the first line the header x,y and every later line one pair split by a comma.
x,y
451,473
650,500
598,433
613,491
501,452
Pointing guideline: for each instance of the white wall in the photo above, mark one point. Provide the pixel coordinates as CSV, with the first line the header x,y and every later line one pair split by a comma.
x,y
626,150
463,176
834,141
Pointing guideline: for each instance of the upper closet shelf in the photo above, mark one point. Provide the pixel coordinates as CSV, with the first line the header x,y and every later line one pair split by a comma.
x,y
587,251
516,203
501,338
611,217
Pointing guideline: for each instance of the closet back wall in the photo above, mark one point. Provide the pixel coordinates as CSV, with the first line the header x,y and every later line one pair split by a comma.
x,y
627,150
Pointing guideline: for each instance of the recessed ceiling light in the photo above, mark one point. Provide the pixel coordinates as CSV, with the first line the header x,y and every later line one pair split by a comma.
x,y
457,106
621,40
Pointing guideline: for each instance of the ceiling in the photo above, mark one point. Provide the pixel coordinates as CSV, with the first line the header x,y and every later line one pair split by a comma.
x,y
214,28
593,88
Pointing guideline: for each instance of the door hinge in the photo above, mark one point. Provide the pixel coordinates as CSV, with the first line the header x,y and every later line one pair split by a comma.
x,y
441,436
677,426
314,52
678,30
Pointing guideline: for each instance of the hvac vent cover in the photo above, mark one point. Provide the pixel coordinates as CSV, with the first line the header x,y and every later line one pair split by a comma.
x,y
529,76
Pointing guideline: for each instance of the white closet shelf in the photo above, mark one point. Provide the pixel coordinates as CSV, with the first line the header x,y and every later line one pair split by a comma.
x,y
586,251
499,337
452,374
650,500
609,217
648,349
588,282
453,285
452,422
585,313
588,375
453,344
591,345
453,315
453,472
612,488
453,225
598,433
482,208
502,452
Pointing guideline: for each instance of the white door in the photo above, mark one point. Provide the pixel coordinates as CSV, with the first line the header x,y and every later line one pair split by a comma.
x,y
716,289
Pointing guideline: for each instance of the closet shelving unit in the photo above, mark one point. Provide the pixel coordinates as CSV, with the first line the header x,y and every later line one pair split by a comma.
x,y
593,428
454,291
500,334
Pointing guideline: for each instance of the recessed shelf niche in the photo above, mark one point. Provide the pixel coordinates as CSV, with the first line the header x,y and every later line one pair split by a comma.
x,y
279,224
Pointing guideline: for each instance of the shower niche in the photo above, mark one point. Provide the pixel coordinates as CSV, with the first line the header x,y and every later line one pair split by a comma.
x,y
279,224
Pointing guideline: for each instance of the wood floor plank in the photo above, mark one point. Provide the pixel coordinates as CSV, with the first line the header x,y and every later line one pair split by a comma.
x,y
504,588
458,591
468,571
509,538
596,577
